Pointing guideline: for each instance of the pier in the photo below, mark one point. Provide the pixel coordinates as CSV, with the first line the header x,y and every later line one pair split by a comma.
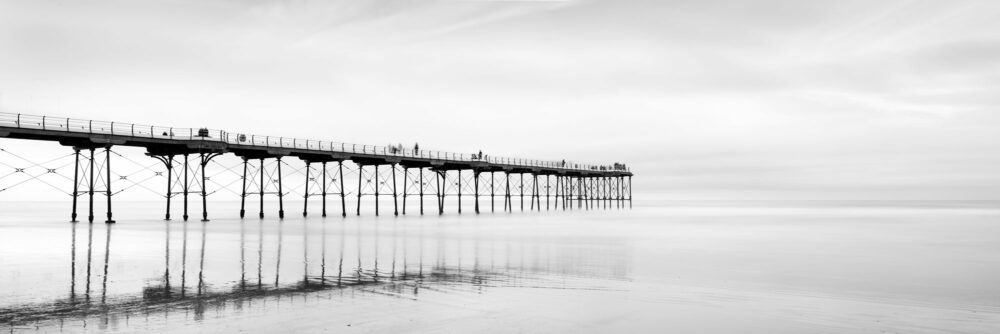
x,y
382,171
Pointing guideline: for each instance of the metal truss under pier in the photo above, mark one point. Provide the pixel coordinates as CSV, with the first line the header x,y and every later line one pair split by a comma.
x,y
382,172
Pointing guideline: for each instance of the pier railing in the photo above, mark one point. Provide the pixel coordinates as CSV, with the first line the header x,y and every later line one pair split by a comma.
x,y
26,121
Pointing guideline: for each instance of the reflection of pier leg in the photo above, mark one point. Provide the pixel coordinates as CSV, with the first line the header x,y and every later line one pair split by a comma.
x,y
76,182
305,196
395,204
72,265
281,193
107,256
90,253
107,186
243,257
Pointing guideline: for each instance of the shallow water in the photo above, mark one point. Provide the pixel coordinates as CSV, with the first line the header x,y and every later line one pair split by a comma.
x,y
764,267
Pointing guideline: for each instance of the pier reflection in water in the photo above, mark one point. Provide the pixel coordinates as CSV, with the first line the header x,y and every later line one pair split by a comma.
x,y
222,268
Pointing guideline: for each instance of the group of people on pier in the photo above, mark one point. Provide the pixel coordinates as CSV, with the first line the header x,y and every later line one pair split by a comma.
x,y
615,166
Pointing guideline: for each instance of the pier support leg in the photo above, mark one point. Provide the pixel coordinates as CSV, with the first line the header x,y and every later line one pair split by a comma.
x,y
323,196
507,205
459,191
607,192
170,183
76,182
520,177
569,189
243,191
475,175
589,183
547,189
186,189
305,195
421,191
565,191
261,170
493,193
395,203
324,189
107,169
538,193
630,192
590,192
406,186
619,197
378,184
361,169
205,158
557,191
281,193
443,191
534,190
343,201
90,191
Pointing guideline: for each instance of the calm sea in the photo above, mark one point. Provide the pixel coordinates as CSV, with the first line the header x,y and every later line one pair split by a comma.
x,y
660,267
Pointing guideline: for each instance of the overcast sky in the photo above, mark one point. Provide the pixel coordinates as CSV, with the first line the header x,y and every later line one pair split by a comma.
x,y
703,99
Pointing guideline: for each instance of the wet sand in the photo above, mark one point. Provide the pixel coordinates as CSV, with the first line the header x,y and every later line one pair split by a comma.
x,y
706,267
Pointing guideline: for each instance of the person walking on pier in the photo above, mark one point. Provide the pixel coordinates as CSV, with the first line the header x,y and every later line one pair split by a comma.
x,y
416,148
